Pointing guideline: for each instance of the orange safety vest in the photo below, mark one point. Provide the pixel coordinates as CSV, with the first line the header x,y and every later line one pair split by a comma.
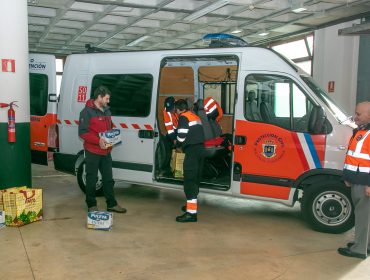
x,y
170,121
213,108
356,168
190,131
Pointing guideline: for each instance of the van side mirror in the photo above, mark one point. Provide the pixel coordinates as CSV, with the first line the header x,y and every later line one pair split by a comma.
x,y
318,123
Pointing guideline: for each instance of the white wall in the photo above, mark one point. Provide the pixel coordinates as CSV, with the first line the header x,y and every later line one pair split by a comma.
x,y
336,59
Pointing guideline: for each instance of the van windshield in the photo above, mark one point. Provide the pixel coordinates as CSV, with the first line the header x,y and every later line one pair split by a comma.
x,y
340,115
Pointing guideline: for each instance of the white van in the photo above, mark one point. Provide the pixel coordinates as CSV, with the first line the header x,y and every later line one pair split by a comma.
x,y
43,101
288,139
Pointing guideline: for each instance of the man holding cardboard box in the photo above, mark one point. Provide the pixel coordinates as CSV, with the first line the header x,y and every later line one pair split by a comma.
x,y
95,119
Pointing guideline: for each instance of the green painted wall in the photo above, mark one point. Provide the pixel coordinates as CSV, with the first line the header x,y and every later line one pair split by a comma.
x,y
15,158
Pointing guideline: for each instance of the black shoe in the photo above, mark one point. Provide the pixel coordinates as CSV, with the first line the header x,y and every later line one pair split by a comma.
x,y
93,209
348,253
183,208
186,218
117,209
350,244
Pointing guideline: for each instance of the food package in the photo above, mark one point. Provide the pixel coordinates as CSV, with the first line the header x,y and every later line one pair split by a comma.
x,y
177,162
2,219
100,220
22,207
112,137
15,189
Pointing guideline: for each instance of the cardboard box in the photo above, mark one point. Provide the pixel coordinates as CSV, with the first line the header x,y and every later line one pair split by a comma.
x,y
112,137
2,219
99,220
177,162
12,190
22,206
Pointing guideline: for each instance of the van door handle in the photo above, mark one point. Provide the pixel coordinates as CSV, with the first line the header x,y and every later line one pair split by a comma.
x,y
146,134
240,140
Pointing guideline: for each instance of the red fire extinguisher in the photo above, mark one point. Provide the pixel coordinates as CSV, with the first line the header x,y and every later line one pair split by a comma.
x,y
11,120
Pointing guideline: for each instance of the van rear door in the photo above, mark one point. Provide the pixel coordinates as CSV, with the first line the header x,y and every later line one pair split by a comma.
x,y
43,101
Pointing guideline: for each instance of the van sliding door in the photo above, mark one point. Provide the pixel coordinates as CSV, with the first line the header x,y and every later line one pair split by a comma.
x,y
132,112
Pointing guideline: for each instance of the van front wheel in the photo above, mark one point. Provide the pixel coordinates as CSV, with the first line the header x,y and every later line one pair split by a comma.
x,y
81,179
328,207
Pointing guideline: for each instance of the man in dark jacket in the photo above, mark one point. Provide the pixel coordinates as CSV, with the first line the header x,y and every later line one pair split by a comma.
x,y
94,119
356,175
190,138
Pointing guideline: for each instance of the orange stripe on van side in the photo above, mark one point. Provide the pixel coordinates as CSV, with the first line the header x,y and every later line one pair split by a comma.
x,y
264,190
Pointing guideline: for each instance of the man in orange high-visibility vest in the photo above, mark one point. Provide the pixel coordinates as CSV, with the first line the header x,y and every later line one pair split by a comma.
x,y
356,173
170,119
190,138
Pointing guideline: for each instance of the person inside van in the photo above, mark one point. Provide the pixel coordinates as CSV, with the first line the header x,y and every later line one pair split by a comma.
x,y
94,119
213,109
267,113
251,108
190,138
170,119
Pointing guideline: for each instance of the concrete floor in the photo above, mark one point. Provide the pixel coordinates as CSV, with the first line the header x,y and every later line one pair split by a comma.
x,y
234,239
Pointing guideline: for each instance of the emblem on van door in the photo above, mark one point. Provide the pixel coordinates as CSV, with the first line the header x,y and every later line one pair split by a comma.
x,y
269,147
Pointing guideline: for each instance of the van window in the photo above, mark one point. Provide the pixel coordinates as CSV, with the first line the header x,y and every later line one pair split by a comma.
x,y
38,94
131,93
223,93
277,100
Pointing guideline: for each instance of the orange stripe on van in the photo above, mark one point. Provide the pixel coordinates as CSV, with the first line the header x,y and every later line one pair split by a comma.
x,y
264,190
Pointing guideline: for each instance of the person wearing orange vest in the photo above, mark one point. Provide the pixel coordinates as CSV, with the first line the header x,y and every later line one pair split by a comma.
x,y
356,174
170,117
213,109
190,138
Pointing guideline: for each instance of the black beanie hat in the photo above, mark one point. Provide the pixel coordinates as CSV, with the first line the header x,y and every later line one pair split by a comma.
x,y
169,103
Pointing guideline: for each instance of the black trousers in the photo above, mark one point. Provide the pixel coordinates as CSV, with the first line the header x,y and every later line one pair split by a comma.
x,y
168,145
193,166
102,163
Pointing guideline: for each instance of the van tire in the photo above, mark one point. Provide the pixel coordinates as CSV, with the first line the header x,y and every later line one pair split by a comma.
x,y
328,207
81,179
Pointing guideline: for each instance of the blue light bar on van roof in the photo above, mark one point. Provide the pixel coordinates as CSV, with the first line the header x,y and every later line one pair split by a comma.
x,y
219,40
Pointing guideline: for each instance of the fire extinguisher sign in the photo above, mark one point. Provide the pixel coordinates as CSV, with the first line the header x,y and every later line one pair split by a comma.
x,y
81,95
8,65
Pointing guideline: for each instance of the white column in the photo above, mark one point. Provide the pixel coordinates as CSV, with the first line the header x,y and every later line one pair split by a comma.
x,y
14,86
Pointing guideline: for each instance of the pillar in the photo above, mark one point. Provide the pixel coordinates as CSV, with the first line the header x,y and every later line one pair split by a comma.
x,y
15,158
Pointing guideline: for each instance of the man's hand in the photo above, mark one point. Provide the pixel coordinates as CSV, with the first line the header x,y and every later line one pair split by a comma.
x,y
367,190
103,144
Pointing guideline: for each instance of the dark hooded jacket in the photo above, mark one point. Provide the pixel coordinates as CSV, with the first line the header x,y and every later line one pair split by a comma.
x,y
92,122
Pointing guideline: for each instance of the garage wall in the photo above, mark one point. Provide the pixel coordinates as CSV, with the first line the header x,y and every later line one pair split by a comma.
x,y
335,58
363,86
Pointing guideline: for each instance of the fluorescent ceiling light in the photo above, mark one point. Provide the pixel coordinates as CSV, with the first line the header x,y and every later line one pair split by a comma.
x,y
236,31
264,33
206,10
137,41
298,10
32,2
